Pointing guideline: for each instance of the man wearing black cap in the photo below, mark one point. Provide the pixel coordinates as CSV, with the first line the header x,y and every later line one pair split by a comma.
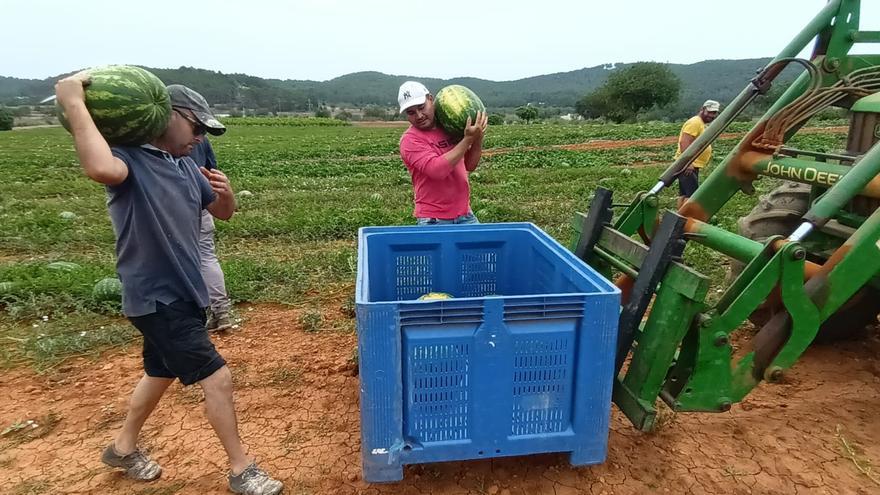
x,y
155,196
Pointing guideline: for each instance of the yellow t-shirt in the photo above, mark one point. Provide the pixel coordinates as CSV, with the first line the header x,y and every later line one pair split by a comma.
x,y
695,126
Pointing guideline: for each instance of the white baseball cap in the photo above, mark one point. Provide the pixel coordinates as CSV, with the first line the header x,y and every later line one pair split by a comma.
x,y
411,93
712,106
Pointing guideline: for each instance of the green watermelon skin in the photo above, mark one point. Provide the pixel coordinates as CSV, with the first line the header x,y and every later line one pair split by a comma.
x,y
452,107
63,266
108,289
130,105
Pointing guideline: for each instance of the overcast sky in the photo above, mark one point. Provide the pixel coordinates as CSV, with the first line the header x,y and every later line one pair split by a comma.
x,y
321,39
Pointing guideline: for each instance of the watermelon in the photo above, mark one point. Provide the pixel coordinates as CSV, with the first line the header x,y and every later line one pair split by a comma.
x,y
453,105
63,266
130,106
67,215
108,289
434,296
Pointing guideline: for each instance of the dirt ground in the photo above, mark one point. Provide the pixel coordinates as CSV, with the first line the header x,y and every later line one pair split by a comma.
x,y
380,123
609,144
297,397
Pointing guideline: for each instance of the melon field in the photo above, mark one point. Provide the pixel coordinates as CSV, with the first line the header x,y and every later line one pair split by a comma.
x,y
68,360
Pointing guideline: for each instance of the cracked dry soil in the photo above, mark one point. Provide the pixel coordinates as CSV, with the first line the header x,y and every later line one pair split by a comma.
x,y
297,399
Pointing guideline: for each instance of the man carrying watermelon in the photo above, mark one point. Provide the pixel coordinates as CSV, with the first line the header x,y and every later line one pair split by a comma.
x,y
155,195
439,159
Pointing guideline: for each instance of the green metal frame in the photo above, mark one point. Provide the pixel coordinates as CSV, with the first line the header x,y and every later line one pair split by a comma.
x,y
683,352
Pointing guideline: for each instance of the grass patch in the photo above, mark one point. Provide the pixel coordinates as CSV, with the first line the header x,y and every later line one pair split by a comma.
x,y
284,376
26,430
30,487
34,290
349,308
64,339
265,280
856,455
311,321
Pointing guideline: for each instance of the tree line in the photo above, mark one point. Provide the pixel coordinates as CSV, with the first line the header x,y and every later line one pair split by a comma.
x,y
618,93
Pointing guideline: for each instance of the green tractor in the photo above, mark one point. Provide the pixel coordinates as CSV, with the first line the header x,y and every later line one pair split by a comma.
x,y
808,255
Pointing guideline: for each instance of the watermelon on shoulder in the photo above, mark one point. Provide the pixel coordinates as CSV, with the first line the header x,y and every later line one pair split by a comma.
x,y
130,105
452,107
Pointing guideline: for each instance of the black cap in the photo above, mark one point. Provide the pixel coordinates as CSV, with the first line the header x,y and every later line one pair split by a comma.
x,y
184,97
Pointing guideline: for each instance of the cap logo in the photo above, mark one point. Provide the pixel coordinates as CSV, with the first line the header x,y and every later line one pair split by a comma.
x,y
406,94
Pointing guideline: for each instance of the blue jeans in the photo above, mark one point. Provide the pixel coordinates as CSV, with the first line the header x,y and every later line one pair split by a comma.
x,y
464,219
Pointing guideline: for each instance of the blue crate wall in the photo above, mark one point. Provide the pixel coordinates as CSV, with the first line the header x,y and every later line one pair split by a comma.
x,y
439,262
518,363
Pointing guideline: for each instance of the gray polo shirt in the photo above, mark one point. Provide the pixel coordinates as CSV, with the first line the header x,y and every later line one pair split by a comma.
x,y
156,214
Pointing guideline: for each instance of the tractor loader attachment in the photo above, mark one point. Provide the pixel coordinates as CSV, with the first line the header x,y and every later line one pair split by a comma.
x,y
675,343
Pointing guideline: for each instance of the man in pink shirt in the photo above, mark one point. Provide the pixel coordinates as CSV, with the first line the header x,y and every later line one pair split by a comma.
x,y
439,165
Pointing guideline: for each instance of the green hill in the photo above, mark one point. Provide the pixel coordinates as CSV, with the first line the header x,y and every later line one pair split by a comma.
x,y
717,79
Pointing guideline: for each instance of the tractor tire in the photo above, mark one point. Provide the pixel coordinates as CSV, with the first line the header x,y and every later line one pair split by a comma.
x,y
779,213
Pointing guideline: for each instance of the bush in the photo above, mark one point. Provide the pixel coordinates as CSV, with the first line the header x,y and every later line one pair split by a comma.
x,y
654,114
632,90
527,113
375,112
831,114
6,119
496,119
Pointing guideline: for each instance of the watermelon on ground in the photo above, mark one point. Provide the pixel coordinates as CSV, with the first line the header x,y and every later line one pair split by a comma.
x,y
63,266
452,107
130,105
108,289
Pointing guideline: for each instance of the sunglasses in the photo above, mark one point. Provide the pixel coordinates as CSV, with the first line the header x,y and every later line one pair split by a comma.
x,y
198,128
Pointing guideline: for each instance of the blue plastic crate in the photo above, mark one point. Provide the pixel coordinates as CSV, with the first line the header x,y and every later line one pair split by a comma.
x,y
520,361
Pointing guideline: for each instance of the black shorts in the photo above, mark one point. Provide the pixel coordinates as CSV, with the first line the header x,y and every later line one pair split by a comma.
x,y
176,344
688,184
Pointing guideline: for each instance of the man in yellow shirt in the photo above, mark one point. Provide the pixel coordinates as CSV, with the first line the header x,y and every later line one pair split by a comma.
x,y
688,180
